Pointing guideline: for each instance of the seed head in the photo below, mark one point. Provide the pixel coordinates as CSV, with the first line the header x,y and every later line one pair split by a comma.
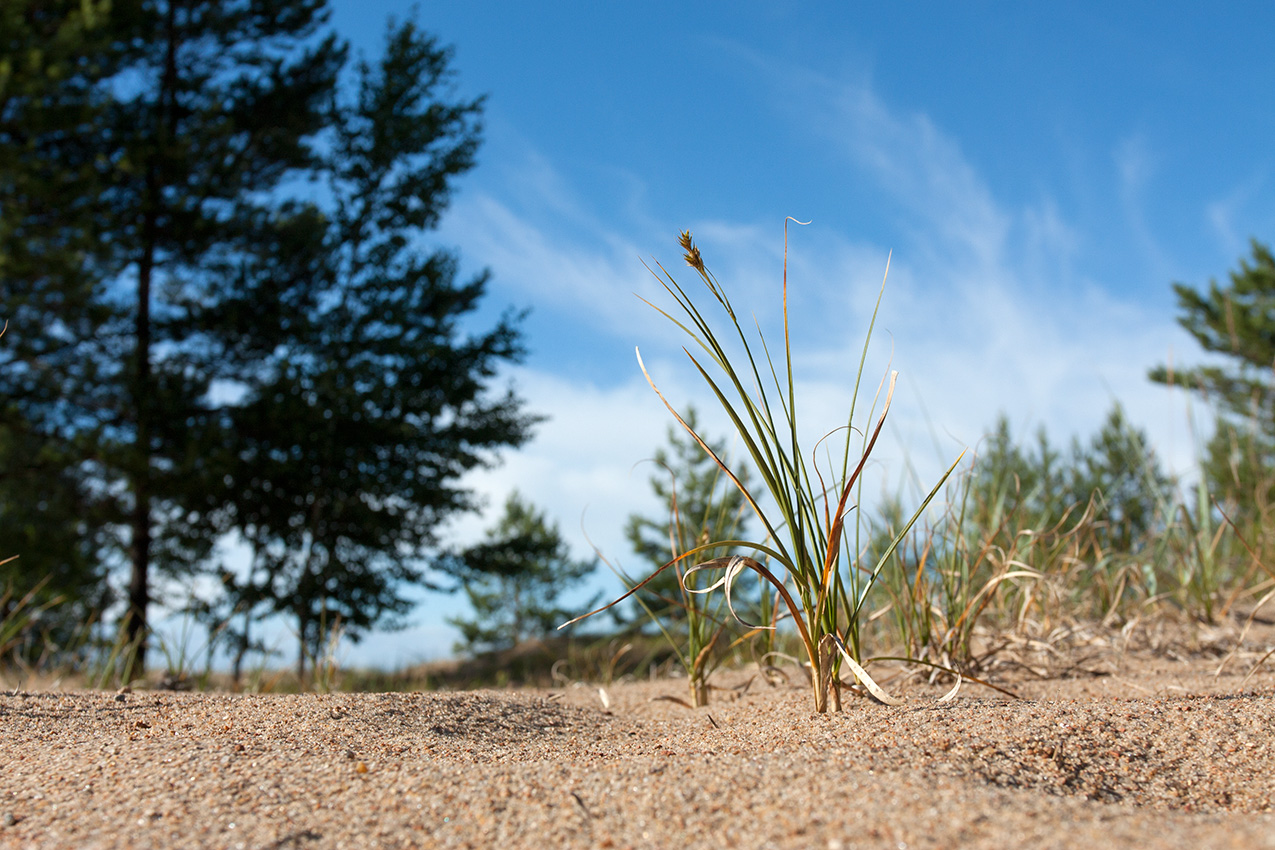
x,y
693,259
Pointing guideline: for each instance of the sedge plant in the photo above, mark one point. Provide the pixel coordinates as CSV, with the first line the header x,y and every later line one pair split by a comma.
x,y
811,561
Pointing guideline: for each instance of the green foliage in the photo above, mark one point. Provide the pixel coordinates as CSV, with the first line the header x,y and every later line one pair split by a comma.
x,y
1092,521
45,513
513,579
1017,487
1226,532
53,184
222,319
364,402
1034,534
20,626
1120,471
1236,320
145,146
703,507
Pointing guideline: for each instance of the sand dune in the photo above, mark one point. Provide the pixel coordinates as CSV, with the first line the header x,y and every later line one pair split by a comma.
x,y
1159,753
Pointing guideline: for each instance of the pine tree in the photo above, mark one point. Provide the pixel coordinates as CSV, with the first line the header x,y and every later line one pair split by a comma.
x,y
1120,471
364,402
701,506
1016,487
1236,320
53,179
514,578
221,317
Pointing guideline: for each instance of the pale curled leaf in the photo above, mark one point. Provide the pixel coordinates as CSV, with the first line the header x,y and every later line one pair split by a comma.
x,y
862,675
733,566
951,695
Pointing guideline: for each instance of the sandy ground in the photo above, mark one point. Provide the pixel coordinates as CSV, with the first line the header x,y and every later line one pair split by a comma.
x,y
1147,752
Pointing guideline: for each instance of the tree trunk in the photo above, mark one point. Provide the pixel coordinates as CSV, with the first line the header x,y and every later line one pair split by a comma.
x,y
242,649
302,624
140,544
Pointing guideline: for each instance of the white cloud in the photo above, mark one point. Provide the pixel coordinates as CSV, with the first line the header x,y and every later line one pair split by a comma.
x,y
593,279
584,466
984,312
985,307
1223,212
1136,165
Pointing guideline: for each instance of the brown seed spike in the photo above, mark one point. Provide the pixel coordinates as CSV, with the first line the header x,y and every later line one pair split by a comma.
x,y
693,259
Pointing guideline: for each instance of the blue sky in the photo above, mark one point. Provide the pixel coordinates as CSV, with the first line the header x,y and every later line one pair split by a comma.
x,y
1041,173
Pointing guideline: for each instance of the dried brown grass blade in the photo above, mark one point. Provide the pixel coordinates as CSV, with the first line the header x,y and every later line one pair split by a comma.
x,y
668,698
702,655
734,566
634,589
838,520
1239,641
1255,667
966,676
757,567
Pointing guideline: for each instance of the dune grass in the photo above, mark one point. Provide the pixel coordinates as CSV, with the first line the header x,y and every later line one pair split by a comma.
x,y
806,554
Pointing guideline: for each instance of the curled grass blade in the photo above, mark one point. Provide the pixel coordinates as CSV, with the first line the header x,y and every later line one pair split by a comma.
x,y
832,640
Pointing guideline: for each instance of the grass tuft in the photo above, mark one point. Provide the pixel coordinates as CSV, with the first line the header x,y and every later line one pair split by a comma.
x,y
806,555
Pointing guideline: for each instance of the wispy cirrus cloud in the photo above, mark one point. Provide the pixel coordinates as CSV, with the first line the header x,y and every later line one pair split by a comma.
x,y
988,308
